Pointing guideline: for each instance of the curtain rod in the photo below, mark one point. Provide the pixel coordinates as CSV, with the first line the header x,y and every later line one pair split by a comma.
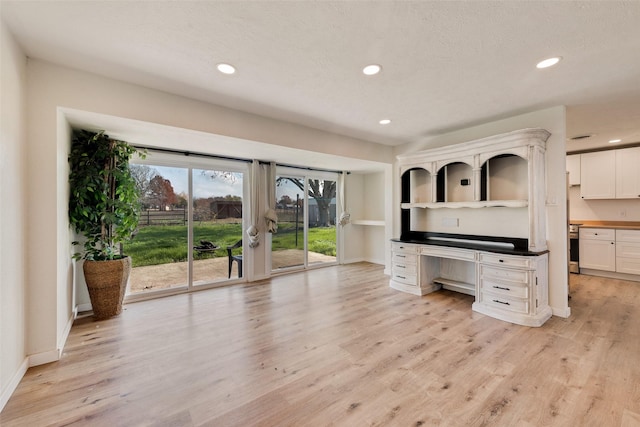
x,y
237,159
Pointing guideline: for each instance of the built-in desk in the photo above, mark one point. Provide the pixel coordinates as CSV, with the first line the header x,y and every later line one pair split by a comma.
x,y
508,284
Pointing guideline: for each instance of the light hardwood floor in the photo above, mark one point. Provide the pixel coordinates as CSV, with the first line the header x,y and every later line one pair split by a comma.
x,y
337,346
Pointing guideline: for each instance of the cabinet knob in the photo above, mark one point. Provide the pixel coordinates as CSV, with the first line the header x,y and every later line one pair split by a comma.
x,y
501,260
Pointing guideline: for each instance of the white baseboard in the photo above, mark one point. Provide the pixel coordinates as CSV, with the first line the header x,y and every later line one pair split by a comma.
x,y
65,333
372,261
13,383
80,308
610,274
44,357
561,312
259,277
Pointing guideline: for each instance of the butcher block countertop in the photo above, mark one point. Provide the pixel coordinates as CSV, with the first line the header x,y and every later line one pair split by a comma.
x,y
628,225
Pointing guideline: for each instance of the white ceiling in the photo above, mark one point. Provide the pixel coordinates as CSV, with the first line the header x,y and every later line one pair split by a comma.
x,y
446,65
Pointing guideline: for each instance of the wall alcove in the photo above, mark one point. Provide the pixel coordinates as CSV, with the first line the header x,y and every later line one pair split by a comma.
x,y
504,177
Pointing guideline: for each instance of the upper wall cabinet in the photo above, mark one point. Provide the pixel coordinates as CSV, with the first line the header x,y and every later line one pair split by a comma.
x,y
628,173
573,167
506,170
610,174
598,175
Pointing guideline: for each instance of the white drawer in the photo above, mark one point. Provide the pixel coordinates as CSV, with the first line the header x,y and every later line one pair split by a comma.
x,y
494,301
628,236
505,260
504,288
629,250
504,274
628,265
406,248
597,233
407,279
404,268
402,258
452,253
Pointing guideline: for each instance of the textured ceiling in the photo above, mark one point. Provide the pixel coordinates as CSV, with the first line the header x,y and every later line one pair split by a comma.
x,y
446,65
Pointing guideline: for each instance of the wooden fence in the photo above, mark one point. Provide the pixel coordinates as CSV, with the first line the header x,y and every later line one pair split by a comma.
x,y
156,217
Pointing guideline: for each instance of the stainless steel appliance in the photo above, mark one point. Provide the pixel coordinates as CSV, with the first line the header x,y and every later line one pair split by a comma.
x,y
574,248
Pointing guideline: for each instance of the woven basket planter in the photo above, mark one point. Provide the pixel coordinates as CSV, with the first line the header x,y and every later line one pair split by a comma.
x,y
107,283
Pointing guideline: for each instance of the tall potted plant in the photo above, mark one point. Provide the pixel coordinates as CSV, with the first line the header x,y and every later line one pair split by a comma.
x,y
103,208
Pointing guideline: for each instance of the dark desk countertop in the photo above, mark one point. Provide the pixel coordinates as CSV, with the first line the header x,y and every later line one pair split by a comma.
x,y
473,246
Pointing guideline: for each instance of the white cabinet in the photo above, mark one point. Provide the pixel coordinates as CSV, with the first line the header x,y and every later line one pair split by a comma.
x,y
404,258
598,175
611,174
598,249
506,170
513,288
628,251
628,173
573,167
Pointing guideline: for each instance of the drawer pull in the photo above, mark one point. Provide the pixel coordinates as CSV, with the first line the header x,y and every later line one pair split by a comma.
x,y
503,288
501,260
402,277
401,256
501,302
400,266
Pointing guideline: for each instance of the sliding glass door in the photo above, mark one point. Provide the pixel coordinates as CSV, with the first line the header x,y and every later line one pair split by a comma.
x,y
217,225
159,251
191,222
306,208
321,221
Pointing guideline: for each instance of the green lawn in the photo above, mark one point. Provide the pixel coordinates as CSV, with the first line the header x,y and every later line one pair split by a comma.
x,y
161,244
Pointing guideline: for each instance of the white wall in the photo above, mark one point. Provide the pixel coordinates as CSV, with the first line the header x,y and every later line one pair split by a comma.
x,y
13,361
553,120
52,90
601,210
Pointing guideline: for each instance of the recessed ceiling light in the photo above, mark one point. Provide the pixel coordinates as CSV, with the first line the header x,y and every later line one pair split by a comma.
x,y
385,121
613,141
549,62
372,69
226,68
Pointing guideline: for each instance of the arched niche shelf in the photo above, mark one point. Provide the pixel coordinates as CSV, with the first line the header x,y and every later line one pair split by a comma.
x,y
417,186
504,177
455,183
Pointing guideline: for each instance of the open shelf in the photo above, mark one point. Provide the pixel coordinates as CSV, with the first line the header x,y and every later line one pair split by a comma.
x,y
375,222
473,204
456,286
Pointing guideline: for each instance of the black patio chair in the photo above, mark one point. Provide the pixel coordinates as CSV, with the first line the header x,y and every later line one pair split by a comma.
x,y
237,258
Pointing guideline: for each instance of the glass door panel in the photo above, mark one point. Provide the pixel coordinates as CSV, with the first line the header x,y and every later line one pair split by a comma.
x,y
159,250
217,226
321,220
288,244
